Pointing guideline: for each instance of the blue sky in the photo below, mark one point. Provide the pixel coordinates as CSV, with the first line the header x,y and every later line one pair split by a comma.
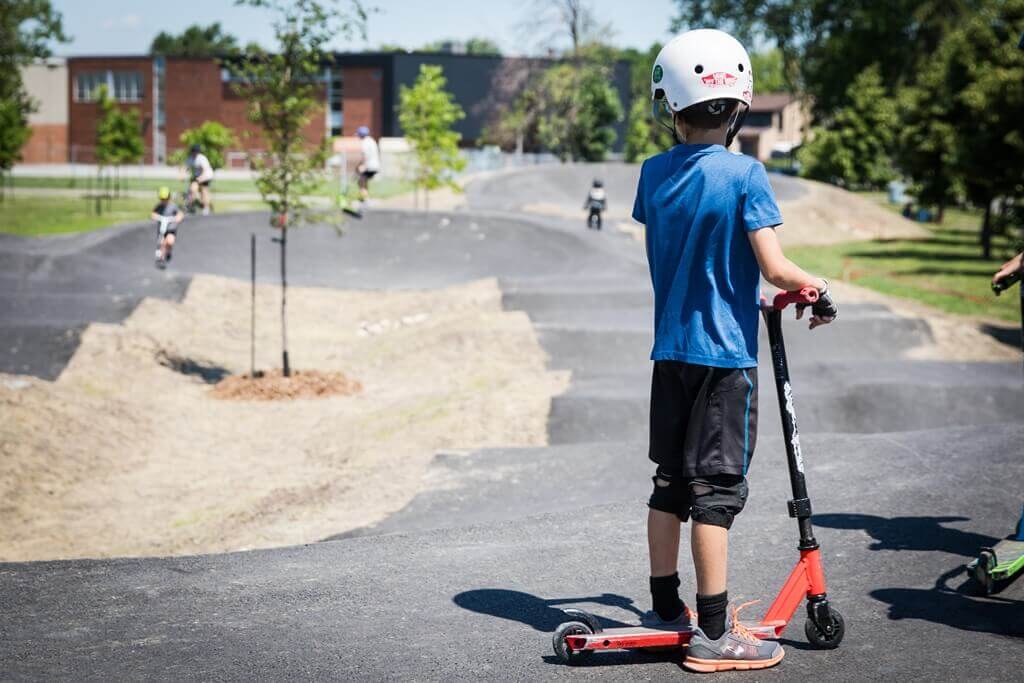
x,y
128,27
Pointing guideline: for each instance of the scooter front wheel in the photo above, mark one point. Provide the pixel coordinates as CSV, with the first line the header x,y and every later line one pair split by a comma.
x,y
565,653
820,639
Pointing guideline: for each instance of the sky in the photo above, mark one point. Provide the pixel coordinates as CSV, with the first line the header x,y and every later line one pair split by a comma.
x,y
128,27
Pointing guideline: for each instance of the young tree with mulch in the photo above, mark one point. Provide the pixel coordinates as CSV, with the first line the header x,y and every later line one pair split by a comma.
x,y
283,90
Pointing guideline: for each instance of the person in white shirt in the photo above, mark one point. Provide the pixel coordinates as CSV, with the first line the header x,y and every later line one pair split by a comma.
x,y
369,162
201,175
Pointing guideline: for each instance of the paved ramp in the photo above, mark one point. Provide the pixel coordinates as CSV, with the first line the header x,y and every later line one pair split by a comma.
x,y
912,466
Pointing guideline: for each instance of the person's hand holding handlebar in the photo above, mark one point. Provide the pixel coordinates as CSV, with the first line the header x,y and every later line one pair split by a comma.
x,y
823,311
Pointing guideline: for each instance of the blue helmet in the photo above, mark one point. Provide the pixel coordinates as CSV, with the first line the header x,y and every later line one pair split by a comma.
x,y
362,131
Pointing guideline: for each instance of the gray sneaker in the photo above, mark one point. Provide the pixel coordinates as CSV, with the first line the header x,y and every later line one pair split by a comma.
x,y
738,649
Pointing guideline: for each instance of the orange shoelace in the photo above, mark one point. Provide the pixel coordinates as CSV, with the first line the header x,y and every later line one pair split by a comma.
x,y
739,629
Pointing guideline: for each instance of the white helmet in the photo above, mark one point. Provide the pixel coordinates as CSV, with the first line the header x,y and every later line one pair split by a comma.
x,y
701,66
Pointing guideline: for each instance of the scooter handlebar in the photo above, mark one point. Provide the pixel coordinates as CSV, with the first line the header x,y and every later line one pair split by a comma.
x,y
1005,283
806,295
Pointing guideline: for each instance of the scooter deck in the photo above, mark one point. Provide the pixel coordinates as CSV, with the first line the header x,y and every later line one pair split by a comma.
x,y
1009,559
638,637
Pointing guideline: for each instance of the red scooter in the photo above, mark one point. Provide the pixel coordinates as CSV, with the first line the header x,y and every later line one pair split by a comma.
x,y
824,627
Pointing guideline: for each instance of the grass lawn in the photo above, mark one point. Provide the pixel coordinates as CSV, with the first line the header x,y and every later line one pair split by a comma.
x,y
944,270
35,215
381,187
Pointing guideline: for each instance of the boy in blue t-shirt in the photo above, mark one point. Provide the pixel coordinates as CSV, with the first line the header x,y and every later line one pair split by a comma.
x,y
710,218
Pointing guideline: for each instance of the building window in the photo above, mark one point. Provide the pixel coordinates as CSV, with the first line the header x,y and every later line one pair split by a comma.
x,y
335,98
127,86
122,86
86,85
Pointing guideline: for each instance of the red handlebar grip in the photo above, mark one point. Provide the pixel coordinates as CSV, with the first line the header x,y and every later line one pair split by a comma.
x,y
806,295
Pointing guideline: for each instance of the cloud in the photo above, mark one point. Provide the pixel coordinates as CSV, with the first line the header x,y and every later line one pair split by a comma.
x,y
126,22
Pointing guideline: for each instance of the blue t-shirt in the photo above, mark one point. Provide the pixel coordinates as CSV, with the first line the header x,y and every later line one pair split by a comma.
x,y
698,203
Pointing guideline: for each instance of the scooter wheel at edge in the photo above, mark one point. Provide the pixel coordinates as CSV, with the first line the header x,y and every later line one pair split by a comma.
x,y
819,639
566,654
586,617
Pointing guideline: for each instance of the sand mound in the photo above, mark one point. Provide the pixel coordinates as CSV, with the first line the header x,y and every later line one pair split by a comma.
x,y
274,386
130,453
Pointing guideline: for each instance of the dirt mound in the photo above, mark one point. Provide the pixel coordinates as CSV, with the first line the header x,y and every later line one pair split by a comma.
x,y
130,453
274,386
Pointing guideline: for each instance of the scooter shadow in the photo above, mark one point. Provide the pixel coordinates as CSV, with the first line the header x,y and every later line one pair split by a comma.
x,y
543,615
538,613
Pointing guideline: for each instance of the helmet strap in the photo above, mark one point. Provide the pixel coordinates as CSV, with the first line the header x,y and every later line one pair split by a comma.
x,y
737,122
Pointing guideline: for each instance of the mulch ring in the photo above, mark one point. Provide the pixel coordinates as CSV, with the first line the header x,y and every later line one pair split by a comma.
x,y
274,386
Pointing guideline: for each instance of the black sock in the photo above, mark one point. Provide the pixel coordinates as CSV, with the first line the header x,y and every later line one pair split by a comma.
x,y
665,595
711,614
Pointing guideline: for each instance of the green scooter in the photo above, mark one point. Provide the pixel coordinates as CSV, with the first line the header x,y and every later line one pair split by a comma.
x,y
995,566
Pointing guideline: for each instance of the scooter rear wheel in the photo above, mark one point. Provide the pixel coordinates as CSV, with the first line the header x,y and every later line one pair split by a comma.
x,y
565,653
820,639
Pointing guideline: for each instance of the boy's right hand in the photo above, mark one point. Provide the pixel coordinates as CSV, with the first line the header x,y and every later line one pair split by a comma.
x,y
823,311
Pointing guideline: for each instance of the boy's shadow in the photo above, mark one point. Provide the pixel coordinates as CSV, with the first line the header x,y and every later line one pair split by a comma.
x,y
538,613
911,533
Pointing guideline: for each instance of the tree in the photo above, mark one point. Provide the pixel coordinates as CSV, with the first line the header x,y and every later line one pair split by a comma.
x,y
212,136
427,113
283,91
769,72
577,109
27,29
853,149
195,41
118,135
574,20
981,61
825,43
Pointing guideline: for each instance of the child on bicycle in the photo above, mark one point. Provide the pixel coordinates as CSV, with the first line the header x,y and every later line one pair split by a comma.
x,y
710,218
200,176
595,203
167,216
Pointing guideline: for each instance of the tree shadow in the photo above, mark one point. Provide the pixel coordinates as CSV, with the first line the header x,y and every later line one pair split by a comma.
x,y
911,533
207,372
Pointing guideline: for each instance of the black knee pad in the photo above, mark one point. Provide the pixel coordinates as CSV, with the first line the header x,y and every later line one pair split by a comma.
x,y
718,498
670,493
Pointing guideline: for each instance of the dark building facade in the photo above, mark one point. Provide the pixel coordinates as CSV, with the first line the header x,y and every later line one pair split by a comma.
x,y
359,89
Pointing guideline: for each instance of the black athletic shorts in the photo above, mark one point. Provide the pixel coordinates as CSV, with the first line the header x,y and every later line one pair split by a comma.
x,y
703,419
172,229
368,174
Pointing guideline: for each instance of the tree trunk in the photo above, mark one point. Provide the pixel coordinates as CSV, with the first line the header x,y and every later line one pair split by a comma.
x,y
940,214
285,368
986,232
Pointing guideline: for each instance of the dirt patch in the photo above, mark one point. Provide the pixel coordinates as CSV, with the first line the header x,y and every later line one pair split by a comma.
x,y
274,386
128,452
955,337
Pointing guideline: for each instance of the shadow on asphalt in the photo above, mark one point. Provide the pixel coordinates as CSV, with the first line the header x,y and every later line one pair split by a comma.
x,y
955,607
1004,335
959,607
911,533
542,615
538,613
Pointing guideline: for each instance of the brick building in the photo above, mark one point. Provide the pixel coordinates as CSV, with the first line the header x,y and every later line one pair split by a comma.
x,y
360,89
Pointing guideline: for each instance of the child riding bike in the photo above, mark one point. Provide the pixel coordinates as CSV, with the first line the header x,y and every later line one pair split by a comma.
x,y
167,216
200,176
596,202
